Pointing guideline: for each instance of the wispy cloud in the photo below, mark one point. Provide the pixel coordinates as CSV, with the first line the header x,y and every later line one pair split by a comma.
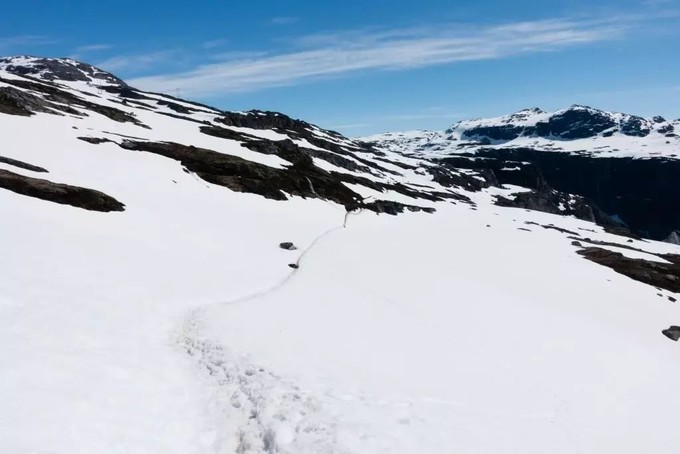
x,y
93,48
25,40
284,20
137,62
237,55
82,52
338,54
214,43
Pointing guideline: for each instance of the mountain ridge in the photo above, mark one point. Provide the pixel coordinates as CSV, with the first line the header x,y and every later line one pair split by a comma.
x,y
624,164
575,129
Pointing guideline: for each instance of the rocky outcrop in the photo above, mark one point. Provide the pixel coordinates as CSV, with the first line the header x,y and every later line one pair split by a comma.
x,y
660,275
576,122
238,174
330,141
449,176
499,171
673,333
639,192
57,69
21,164
302,178
394,208
85,198
17,102
53,100
288,246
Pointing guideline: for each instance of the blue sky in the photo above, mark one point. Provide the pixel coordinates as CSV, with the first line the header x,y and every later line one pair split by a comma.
x,y
364,67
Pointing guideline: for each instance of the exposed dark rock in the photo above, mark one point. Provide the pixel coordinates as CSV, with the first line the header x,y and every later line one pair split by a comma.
x,y
635,126
447,173
576,243
661,275
608,243
284,124
555,202
501,132
88,199
638,191
197,105
393,208
17,102
288,246
181,117
295,266
668,130
238,174
94,140
559,229
399,164
21,164
289,149
672,300
674,237
179,108
497,172
54,69
577,122
673,333
56,100
230,134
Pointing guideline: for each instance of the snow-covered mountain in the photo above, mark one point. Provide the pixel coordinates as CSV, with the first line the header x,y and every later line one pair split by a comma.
x,y
626,165
149,303
577,129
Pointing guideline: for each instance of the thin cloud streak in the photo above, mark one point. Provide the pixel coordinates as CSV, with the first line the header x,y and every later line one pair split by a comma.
x,y
390,50
136,62
215,43
93,48
25,40
285,20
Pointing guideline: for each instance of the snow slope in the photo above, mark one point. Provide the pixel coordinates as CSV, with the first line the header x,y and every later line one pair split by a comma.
x,y
176,326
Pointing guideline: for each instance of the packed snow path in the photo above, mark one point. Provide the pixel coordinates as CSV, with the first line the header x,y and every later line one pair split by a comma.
x,y
263,413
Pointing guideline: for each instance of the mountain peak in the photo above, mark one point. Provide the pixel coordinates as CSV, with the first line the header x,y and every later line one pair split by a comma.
x,y
530,110
58,69
583,107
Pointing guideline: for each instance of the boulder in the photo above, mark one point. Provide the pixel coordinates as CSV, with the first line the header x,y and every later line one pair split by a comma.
x,y
673,333
288,246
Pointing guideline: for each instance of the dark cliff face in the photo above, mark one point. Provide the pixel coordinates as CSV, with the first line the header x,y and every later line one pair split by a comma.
x,y
643,193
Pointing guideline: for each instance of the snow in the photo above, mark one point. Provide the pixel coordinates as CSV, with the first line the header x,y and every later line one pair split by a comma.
x,y
178,327
452,141
439,358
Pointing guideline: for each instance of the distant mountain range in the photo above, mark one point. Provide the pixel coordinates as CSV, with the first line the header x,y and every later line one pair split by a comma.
x,y
577,129
626,164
